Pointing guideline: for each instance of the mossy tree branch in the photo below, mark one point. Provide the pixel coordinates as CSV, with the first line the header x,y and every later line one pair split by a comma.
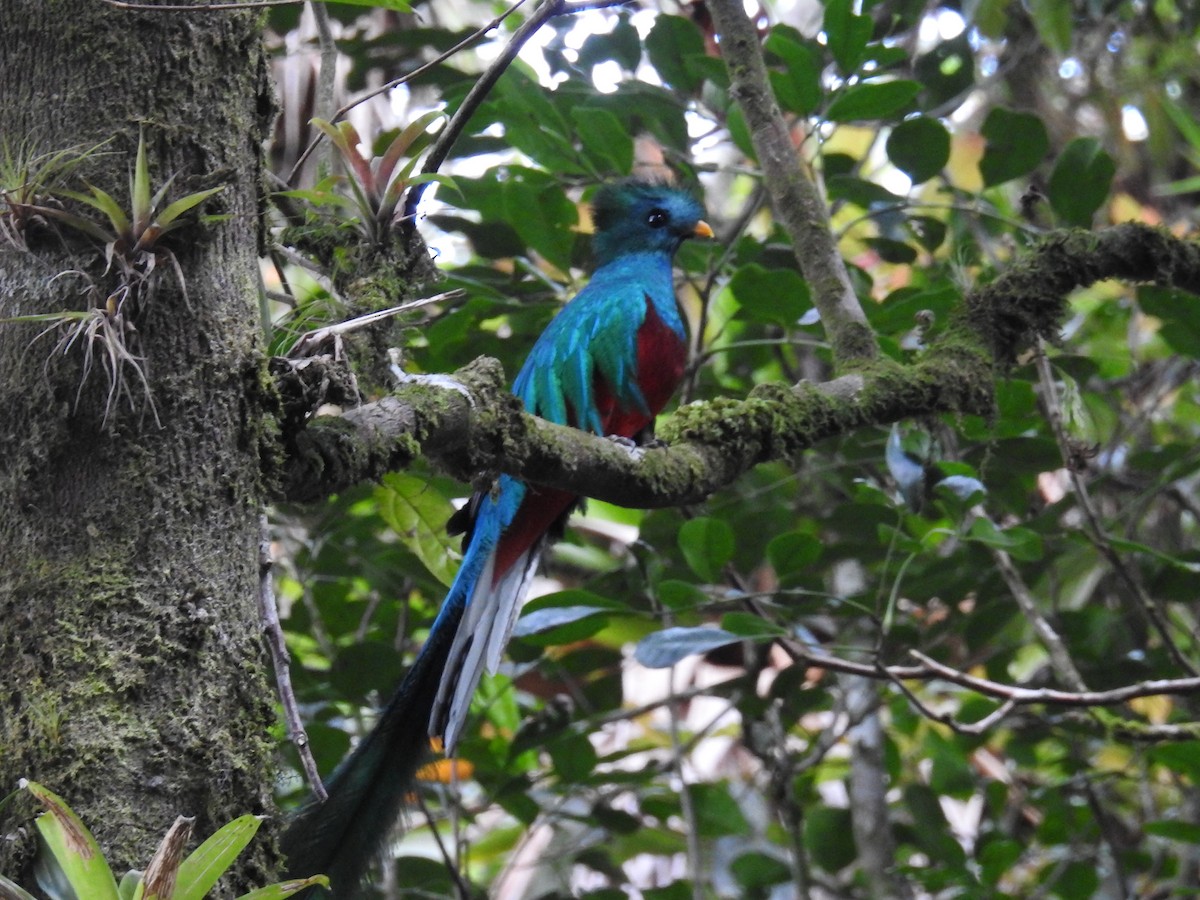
x,y
712,443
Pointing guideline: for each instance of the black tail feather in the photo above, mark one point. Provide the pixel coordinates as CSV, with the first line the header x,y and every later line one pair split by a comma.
x,y
342,837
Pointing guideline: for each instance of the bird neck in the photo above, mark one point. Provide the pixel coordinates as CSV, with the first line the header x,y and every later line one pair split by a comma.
x,y
650,271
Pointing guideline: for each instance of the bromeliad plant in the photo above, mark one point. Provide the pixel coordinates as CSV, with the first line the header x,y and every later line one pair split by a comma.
x,y
133,250
29,183
71,866
132,240
374,184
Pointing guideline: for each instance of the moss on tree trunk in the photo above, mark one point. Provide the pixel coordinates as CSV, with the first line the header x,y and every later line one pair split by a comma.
x,y
134,678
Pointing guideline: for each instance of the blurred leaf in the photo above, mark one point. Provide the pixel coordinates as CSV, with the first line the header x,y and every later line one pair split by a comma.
x,y
717,813
707,545
1081,181
847,33
947,74
671,43
770,295
919,147
604,138
872,101
1174,830
1052,19
1180,326
1183,758
667,647
1021,543
829,837
1016,144
798,85
756,871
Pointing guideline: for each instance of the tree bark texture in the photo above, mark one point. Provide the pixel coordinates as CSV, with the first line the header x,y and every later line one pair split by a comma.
x,y
134,679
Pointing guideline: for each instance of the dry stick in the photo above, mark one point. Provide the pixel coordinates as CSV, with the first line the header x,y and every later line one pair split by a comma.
x,y
794,192
281,659
1050,696
446,138
1095,530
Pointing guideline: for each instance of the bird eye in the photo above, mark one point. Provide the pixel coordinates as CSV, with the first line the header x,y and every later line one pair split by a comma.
x,y
656,218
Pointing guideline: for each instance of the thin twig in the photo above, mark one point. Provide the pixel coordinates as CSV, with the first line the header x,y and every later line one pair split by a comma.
x,y
1050,696
281,660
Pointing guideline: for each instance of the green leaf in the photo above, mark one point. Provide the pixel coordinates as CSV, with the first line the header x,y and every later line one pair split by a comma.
x,y
717,813
749,626
140,189
1174,830
1021,543
997,858
667,647
604,137
545,619
1183,758
847,33
829,836
671,42
10,890
1180,328
418,514
285,888
573,757
798,85
919,147
1081,181
72,848
550,232
1016,145
758,871
104,202
182,205
793,553
947,73
1053,21
208,862
872,101
778,296
707,545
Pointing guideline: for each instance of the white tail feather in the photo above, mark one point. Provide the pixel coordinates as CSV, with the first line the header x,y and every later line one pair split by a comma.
x,y
487,622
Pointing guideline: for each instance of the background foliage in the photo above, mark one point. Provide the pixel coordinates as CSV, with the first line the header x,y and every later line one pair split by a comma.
x,y
947,142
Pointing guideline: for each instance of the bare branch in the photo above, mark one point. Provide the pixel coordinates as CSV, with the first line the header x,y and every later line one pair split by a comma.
x,y
281,661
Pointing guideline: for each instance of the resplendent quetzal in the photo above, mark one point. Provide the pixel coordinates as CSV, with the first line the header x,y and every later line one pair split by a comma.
x,y
607,363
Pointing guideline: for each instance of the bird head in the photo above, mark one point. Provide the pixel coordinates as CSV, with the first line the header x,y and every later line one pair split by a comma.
x,y
640,216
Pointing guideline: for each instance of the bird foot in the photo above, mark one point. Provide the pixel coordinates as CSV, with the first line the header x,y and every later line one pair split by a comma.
x,y
629,445
442,381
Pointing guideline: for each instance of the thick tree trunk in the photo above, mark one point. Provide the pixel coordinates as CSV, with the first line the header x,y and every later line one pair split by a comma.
x,y
133,676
